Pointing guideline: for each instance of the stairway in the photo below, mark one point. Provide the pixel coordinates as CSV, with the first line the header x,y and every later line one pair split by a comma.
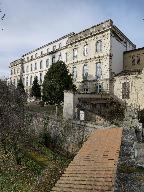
x,y
94,167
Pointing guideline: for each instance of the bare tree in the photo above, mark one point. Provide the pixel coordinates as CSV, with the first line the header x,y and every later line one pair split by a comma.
x,y
14,132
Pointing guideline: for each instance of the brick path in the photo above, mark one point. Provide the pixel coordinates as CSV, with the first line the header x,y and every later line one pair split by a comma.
x,y
94,167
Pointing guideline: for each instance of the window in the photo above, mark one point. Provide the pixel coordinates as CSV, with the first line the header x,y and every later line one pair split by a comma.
x,y
31,67
27,81
47,50
11,71
36,55
41,65
24,81
41,53
47,63
99,46
54,47
14,82
74,73
14,71
85,72
40,77
66,57
59,45
98,88
138,60
133,60
35,66
27,69
27,58
74,53
125,90
60,56
32,57
98,71
31,80
53,59
23,69
85,51
18,70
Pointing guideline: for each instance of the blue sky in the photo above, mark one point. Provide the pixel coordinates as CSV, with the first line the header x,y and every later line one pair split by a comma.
x,y
28,24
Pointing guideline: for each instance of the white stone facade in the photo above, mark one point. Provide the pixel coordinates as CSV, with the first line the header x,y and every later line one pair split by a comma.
x,y
93,56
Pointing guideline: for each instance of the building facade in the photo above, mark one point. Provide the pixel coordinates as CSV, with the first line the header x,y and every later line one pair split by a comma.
x,y
93,57
129,84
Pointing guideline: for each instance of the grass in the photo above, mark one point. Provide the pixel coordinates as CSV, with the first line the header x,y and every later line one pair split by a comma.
x,y
50,109
39,171
131,169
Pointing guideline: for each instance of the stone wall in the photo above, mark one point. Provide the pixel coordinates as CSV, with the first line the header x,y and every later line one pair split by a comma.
x,y
136,91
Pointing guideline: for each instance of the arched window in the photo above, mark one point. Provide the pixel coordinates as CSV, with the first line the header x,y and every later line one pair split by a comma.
x,y
40,64
99,46
74,73
31,67
85,72
98,71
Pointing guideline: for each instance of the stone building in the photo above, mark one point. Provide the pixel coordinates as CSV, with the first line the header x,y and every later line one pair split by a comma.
x,y
93,57
129,84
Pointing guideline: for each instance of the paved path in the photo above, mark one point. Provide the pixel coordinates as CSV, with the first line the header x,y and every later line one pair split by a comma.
x,y
94,167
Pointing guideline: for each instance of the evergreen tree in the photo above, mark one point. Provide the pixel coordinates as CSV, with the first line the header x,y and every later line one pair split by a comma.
x,y
21,91
56,80
36,89
20,86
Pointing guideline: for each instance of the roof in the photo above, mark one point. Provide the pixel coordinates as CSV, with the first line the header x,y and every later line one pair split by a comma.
x,y
128,72
141,48
70,34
